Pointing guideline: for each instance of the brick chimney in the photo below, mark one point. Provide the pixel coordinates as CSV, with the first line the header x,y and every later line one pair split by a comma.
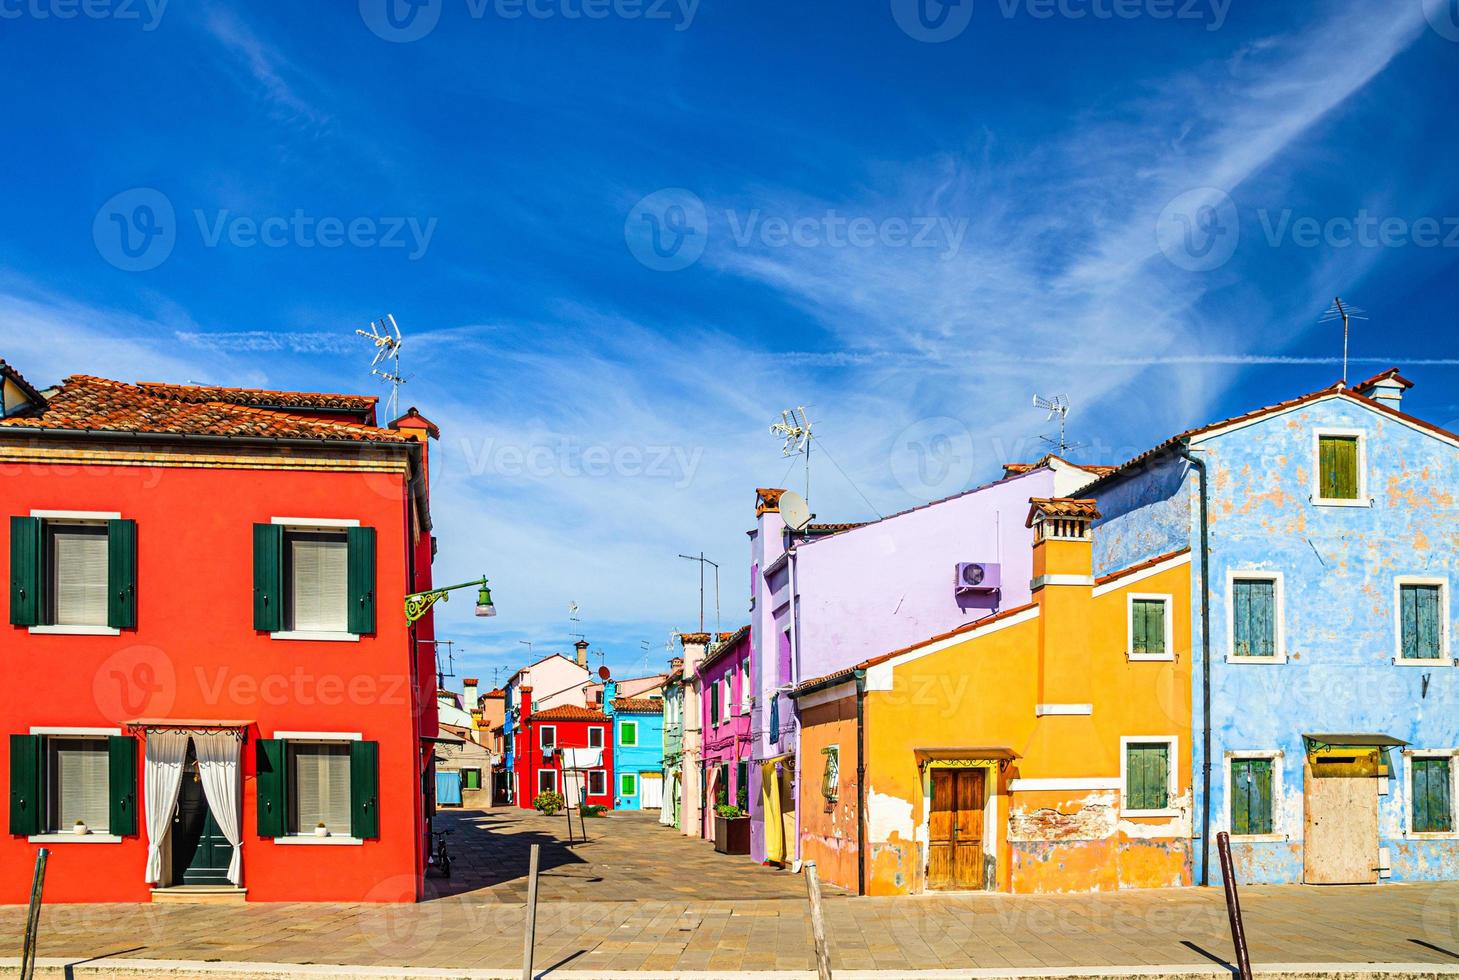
x,y
581,646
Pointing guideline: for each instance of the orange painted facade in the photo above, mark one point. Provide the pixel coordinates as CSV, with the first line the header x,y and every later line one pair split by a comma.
x,y
195,657
1045,705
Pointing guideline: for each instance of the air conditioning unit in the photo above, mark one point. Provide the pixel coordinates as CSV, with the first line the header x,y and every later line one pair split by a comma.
x,y
978,576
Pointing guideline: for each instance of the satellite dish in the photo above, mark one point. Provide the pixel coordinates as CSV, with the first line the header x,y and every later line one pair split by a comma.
x,y
604,673
794,511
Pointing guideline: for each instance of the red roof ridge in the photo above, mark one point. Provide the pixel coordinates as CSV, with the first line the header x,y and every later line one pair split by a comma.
x,y
246,396
1392,374
568,712
638,705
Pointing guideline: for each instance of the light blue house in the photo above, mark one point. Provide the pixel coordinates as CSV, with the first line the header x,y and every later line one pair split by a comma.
x,y
1324,534
638,749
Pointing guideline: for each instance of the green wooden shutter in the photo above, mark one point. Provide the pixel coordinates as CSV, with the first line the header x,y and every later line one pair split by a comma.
x,y
1421,616
1140,641
1337,460
364,790
268,577
25,571
1408,617
27,804
272,786
1149,626
1254,618
121,776
121,574
1432,807
1251,796
361,614
1147,776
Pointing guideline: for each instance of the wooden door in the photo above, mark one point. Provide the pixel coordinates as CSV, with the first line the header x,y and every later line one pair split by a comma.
x,y
1341,840
200,852
955,830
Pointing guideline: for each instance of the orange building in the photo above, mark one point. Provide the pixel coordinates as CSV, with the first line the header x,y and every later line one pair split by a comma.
x,y
214,688
1041,749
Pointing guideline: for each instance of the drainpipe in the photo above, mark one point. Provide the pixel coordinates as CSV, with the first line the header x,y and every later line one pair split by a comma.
x,y
860,782
794,681
1200,467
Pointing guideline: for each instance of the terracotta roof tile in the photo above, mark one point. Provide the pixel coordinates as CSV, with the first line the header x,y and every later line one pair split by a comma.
x,y
1018,469
568,712
88,404
1061,507
1148,563
260,397
639,705
727,642
1390,375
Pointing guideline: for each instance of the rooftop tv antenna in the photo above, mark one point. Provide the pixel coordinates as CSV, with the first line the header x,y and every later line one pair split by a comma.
x,y
1345,312
385,335
575,619
1057,407
702,562
795,428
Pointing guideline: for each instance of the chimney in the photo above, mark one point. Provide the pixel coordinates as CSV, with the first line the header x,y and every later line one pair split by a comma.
x,y
1387,389
582,648
695,646
468,693
525,710
1063,587
1063,550
676,663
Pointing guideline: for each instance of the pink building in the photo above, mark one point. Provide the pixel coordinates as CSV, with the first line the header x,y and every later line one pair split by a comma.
x,y
724,685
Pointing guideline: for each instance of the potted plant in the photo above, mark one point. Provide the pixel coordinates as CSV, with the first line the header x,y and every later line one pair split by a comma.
x,y
594,809
80,828
731,829
548,803
320,830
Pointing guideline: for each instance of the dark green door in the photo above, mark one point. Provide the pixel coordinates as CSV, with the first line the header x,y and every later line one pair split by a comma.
x,y
200,852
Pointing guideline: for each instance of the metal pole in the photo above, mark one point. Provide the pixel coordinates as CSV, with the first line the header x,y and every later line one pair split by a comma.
x,y
818,925
529,937
33,916
1233,906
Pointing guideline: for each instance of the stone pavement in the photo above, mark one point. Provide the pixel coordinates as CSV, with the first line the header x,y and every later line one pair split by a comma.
x,y
641,897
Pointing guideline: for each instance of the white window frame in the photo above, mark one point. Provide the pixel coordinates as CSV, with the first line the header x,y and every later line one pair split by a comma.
x,y
1446,656
1362,500
63,731
627,775
622,726
1279,598
1408,756
601,774
745,687
555,783
596,730
1279,832
1172,774
315,524
542,731
307,838
1169,602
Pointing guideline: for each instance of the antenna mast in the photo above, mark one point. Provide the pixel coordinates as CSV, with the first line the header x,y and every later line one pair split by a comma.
x,y
1057,407
385,335
1345,312
795,428
575,619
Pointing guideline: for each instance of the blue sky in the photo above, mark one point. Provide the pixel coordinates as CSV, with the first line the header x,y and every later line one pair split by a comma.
x,y
621,236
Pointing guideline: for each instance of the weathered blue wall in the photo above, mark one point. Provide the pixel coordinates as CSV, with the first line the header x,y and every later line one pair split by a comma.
x,y
1339,567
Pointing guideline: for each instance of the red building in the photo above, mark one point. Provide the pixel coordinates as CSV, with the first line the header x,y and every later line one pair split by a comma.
x,y
212,681
567,749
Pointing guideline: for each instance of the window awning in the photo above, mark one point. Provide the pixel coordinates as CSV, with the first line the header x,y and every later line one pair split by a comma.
x,y
1002,753
1354,739
187,725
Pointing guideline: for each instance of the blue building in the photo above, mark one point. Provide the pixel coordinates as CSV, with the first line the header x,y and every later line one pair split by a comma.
x,y
1324,534
638,749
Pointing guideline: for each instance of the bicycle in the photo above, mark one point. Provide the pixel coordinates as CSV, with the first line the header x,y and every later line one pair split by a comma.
x,y
440,856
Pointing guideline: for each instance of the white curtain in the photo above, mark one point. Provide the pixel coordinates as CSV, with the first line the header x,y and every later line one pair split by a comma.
x,y
162,775
218,769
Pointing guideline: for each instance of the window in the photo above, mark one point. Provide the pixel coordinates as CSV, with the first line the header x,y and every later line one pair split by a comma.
x,y
1430,790
713,706
316,567
628,733
547,737
1150,628
725,712
745,687
471,778
76,574
595,737
321,786
722,786
628,784
831,776
597,782
1252,791
73,572
547,780
1423,619
77,784
1256,628
742,785
1340,468
1147,775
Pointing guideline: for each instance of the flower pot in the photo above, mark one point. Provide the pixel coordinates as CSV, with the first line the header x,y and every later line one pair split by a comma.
x,y
321,831
732,835
80,829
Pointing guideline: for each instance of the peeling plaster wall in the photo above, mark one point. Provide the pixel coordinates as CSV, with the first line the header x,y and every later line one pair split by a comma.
x,y
1339,566
828,830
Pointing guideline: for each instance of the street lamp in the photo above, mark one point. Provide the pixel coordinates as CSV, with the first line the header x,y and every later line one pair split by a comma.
x,y
417,603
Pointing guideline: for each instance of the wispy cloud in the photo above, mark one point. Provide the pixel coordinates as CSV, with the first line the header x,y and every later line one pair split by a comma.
x,y
266,70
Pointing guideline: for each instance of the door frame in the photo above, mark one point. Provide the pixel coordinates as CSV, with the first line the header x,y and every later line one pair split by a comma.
x,y
992,838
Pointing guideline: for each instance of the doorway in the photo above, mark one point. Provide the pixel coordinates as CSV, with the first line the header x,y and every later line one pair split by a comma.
x,y
1340,844
955,830
651,790
200,852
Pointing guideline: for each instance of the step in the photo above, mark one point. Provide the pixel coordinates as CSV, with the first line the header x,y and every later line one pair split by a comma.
x,y
201,894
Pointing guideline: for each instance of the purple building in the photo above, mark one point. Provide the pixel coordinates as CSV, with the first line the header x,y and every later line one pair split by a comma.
x,y
724,699
832,595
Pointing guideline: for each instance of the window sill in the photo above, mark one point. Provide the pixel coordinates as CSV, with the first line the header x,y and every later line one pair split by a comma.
x,y
1415,662
1150,658
75,631
1411,835
1231,658
1165,814
327,635
1324,502
75,839
1258,838
311,839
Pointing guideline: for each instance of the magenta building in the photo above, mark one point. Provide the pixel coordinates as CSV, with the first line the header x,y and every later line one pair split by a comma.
x,y
724,700
832,595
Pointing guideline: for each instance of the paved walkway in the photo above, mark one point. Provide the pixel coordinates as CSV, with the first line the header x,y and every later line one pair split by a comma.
x,y
641,897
